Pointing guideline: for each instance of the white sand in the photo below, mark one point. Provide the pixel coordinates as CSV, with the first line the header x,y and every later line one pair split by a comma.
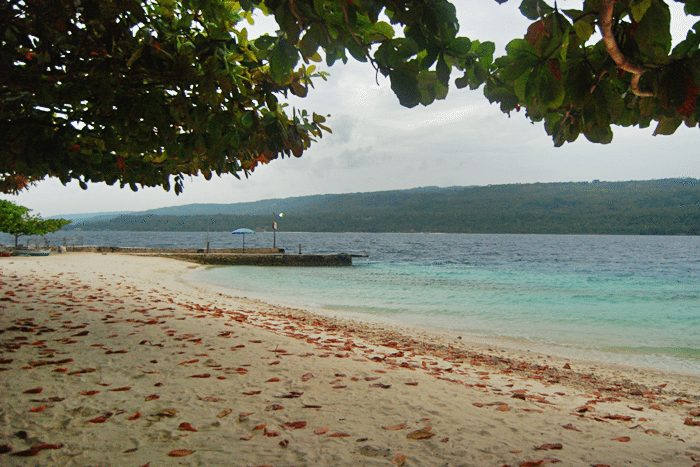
x,y
128,364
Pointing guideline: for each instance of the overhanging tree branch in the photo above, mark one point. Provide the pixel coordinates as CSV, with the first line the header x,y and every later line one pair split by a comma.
x,y
605,23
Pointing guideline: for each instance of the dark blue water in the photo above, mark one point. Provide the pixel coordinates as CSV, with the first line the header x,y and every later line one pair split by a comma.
x,y
630,299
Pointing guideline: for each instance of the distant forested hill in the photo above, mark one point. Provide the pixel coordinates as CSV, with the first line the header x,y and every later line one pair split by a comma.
x,y
656,207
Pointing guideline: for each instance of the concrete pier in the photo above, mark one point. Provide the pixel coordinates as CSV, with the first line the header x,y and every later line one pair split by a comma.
x,y
233,256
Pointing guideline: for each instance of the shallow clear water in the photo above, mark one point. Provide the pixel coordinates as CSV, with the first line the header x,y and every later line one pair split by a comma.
x,y
633,300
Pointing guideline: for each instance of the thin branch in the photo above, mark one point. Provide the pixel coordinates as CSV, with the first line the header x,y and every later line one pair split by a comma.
x,y
605,23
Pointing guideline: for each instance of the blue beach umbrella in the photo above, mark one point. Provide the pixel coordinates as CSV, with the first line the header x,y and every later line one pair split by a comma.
x,y
243,232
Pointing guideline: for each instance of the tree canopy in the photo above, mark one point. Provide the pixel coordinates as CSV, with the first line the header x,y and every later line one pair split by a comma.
x,y
17,221
146,92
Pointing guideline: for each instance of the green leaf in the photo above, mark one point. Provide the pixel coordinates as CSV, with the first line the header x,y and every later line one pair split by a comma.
x,y
283,58
459,46
692,7
443,71
584,29
405,87
668,125
638,8
653,34
534,9
601,135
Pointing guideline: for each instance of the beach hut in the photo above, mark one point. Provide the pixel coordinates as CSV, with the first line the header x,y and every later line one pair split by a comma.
x,y
243,232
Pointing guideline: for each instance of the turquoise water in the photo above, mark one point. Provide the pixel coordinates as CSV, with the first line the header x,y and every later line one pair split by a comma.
x,y
633,300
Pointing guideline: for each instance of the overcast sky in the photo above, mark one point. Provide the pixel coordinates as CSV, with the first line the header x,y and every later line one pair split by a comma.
x,y
378,145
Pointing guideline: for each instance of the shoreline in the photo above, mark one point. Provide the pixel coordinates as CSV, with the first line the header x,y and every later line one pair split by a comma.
x,y
288,387
624,361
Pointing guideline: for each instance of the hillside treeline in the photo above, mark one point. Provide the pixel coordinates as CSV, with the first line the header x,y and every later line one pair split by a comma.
x,y
658,207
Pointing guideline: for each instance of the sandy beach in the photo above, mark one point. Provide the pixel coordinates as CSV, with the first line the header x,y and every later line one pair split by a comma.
x,y
116,360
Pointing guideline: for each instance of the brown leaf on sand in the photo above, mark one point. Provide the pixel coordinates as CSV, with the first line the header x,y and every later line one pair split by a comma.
x,y
694,413
38,409
203,375
152,397
273,407
691,422
571,427
89,393
294,425
260,427
539,462
411,383
273,380
99,419
180,453
33,391
399,459
503,408
5,448
306,377
622,439
395,427
36,449
251,393
546,447
126,388
184,426
224,413
339,434
322,431
83,371
136,416
423,433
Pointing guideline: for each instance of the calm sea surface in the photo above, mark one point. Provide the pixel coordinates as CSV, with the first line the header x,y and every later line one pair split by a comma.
x,y
626,299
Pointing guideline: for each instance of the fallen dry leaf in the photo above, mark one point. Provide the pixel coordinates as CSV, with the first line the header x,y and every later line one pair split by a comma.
x,y
622,439
152,397
294,425
546,447
136,416
180,453
339,434
224,413
126,388
322,431
571,427
89,393
539,462
691,422
395,427
399,459
38,409
203,375
33,391
184,426
36,449
420,434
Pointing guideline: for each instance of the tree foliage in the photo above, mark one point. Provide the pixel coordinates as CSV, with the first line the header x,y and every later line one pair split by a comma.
x,y
146,92
17,221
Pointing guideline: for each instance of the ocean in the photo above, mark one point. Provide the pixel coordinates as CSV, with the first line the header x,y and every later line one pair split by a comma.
x,y
632,300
